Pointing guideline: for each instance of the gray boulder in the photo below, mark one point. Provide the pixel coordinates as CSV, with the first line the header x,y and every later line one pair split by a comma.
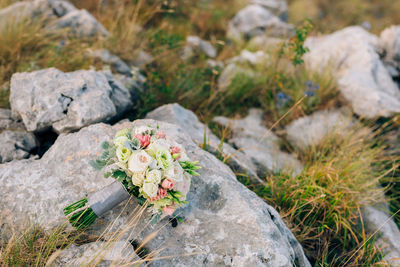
x,y
259,144
65,102
386,232
22,10
256,20
80,23
16,145
58,14
195,45
115,62
389,43
225,223
311,130
363,80
188,121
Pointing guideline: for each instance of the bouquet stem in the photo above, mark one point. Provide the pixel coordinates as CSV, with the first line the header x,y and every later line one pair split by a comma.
x,y
84,212
79,214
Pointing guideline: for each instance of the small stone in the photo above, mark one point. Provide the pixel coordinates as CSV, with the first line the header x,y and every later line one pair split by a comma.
x,y
195,45
254,20
114,61
80,23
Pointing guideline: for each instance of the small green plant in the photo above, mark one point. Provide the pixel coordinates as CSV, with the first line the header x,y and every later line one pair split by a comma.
x,y
294,48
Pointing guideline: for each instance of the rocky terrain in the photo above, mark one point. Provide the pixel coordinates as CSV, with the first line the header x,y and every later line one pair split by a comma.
x,y
262,125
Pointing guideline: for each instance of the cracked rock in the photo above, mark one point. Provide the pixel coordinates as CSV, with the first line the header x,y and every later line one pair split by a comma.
x,y
66,102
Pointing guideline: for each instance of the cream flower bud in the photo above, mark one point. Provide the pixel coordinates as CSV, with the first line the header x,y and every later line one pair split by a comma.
x,y
123,154
120,140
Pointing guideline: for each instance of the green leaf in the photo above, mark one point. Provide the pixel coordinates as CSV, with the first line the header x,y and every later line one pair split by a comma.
x,y
105,145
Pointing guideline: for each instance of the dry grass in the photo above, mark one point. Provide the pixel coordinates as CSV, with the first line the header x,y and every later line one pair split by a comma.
x,y
37,247
330,16
322,204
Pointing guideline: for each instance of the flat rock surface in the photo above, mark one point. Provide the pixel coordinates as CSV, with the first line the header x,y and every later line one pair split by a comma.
x,y
224,221
65,102
310,130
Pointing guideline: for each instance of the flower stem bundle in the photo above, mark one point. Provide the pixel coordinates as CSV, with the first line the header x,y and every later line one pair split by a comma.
x,y
79,214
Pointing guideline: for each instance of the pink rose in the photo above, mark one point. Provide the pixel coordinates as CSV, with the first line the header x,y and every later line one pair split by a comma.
x,y
169,210
160,135
144,140
162,193
175,152
167,184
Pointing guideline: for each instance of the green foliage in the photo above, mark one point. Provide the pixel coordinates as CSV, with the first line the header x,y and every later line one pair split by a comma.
x,y
105,159
190,167
295,46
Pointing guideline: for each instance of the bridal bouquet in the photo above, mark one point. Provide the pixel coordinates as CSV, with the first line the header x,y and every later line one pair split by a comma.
x,y
145,164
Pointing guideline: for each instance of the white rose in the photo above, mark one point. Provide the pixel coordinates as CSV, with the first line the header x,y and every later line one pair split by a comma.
x,y
156,145
153,176
123,154
139,161
150,189
175,172
138,178
120,140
